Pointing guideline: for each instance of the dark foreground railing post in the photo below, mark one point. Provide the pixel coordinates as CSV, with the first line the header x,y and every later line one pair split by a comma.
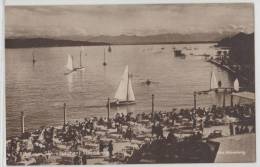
x,y
108,113
224,97
64,114
22,122
231,101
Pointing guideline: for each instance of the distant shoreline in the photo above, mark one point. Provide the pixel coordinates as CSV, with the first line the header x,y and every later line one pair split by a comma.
x,y
44,43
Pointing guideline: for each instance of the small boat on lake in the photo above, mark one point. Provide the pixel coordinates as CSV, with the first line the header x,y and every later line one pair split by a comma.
x,y
178,53
124,94
148,82
34,60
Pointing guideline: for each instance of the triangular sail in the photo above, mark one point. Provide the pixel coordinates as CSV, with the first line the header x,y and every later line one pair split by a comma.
x,y
213,81
69,63
236,85
131,96
41,137
121,93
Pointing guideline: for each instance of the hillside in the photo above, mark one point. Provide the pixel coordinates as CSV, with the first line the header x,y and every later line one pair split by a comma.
x,y
242,48
45,42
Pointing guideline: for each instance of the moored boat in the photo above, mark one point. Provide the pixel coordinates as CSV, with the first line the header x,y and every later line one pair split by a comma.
x,y
178,53
109,48
34,60
104,62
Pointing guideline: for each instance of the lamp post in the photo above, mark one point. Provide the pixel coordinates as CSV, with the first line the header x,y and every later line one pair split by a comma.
x,y
64,113
108,108
108,113
224,97
22,122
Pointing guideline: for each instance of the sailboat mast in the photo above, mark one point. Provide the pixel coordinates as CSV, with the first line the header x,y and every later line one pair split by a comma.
x,y
80,59
104,56
72,62
33,53
127,98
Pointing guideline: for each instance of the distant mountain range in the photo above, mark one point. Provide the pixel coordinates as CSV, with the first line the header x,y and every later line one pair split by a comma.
x,y
115,40
160,38
45,42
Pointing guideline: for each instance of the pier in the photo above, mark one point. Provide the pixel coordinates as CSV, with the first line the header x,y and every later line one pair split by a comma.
x,y
228,69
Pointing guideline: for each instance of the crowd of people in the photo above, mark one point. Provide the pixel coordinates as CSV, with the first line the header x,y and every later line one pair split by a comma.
x,y
44,141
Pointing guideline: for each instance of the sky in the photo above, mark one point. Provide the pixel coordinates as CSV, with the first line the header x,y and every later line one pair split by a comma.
x,y
113,20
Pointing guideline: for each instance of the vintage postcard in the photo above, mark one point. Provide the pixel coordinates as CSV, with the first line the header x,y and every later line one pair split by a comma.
x,y
130,84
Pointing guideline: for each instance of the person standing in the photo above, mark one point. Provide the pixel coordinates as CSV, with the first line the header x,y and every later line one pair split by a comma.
x,y
101,146
110,149
231,129
76,160
84,159
202,126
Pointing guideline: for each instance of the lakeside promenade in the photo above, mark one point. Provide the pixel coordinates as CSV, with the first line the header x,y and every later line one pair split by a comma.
x,y
118,139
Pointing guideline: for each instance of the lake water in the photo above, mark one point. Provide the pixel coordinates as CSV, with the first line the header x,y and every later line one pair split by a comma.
x,y
40,90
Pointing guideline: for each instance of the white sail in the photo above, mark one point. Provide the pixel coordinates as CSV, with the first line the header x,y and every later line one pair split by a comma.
x,y
41,137
213,81
70,63
121,93
236,85
131,96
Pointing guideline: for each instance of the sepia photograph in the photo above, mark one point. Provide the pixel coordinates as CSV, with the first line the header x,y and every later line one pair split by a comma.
x,y
130,84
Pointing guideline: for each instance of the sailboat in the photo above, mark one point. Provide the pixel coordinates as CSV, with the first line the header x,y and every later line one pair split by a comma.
x,y
34,60
109,48
104,63
80,62
213,81
69,65
124,94
236,85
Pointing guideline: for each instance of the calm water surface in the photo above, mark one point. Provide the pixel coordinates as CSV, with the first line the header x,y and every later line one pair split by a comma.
x,y
41,89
